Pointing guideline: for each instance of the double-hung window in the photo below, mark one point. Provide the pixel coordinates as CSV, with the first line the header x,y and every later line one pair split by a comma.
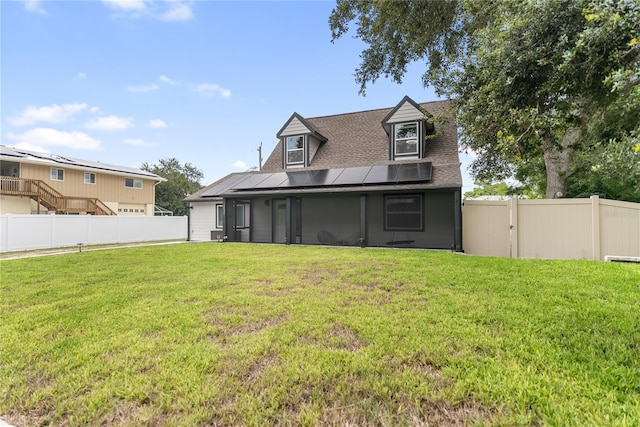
x,y
132,183
89,178
57,174
405,141
295,150
403,212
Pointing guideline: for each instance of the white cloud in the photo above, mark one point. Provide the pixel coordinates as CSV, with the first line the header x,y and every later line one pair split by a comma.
x,y
157,124
43,137
175,11
81,76
239,164
137,142
209,89
110,123
51,114
34,6
95,110
163,10
165,79
127,5
141,89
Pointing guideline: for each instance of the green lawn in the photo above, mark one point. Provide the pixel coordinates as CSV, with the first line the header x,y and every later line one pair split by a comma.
x,y
243,334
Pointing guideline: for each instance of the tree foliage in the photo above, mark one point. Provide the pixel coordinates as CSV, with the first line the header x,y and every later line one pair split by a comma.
x,y
535,84
182,180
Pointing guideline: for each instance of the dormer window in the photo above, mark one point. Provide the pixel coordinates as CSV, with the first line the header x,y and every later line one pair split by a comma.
x,y
406,139
295,150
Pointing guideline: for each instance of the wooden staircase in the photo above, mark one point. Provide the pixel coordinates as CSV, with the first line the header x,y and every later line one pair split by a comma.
x,y
50,198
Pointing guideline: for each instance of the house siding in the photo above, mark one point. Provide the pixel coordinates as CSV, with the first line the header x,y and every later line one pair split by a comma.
x,y
296,127
108,188
202,220
406,112
313,144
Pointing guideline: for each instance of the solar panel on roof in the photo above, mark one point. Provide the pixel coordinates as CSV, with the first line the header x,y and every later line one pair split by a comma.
x,y
252,181
413,172
275,180
352,176
224,185
380,174
365,175
299,179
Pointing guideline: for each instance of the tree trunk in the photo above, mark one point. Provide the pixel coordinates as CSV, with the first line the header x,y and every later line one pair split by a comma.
x,y
557,160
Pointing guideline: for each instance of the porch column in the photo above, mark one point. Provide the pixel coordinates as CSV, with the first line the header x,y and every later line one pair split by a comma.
x,y
363,220
288,222
229,224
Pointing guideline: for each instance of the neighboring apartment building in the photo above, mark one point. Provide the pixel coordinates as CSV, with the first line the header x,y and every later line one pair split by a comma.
x,y
37,183
387,177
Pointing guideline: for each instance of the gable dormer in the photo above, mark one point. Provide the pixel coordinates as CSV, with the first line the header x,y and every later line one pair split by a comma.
x,y
300,142
407,126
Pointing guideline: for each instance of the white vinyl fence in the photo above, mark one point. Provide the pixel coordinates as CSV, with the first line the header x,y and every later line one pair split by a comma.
x,y
554,229
27,232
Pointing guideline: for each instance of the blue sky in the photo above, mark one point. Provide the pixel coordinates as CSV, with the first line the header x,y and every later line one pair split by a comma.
x,y
132,81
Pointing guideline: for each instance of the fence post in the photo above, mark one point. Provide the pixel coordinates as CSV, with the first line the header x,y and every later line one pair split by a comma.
x,y
513,227
595,227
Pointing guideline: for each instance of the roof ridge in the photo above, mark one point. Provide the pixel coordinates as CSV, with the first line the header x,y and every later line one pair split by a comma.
x,y
373,109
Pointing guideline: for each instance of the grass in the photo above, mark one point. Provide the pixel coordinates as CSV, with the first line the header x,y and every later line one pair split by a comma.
x,y
241,334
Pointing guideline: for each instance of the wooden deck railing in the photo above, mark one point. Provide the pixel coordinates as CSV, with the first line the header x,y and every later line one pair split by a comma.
x,y
50,198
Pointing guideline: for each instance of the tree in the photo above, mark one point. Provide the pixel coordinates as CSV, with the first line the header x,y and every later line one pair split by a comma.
x,y
530,80
182,180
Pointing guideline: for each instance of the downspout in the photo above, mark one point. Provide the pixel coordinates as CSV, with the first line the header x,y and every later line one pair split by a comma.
x,y
153,201
457,220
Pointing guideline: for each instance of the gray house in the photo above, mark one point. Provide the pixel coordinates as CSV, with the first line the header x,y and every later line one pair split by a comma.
x,y
388,177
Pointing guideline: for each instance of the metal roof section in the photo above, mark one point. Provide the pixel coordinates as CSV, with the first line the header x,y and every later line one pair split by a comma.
x,y
46,158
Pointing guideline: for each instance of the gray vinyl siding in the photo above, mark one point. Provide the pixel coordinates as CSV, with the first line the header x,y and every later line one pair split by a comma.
x,y
296,127
406,113
261,220
202,220
339,215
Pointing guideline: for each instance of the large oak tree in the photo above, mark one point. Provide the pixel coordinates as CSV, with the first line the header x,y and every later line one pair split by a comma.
x,y
181,181
535,84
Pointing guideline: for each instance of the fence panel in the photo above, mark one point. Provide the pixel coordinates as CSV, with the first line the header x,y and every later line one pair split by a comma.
x,y
27,232
557,229
619,228
485,227
553,229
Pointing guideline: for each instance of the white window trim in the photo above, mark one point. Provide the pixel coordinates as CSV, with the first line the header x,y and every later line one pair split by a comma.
x,y
219,216
288,150
133,182
395,140
57,174
89,182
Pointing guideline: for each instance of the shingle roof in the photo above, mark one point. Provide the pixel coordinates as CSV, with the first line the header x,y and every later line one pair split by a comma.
x,y
359,139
